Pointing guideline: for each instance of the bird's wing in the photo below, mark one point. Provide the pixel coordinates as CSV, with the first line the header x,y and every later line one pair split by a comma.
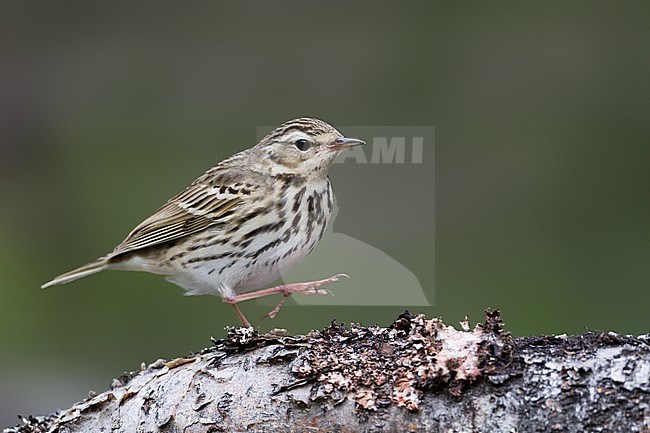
x,y
207,202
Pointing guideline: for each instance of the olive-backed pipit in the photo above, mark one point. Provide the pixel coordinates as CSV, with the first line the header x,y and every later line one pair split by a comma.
x,y
243,223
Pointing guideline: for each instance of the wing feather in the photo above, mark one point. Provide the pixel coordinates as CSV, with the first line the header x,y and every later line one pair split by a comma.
x,y
204,204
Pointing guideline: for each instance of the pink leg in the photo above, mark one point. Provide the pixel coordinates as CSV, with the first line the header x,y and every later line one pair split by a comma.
x,y
306,288
244,321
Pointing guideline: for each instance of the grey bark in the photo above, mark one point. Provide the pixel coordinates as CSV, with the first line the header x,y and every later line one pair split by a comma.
x,y
417,375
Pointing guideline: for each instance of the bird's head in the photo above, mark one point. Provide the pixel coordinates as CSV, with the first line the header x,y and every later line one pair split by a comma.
x,y
304,146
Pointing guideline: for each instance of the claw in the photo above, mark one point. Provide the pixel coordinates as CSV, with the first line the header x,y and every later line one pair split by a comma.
x,y
323,292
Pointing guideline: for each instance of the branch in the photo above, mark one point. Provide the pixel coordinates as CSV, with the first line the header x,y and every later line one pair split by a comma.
x,y
416,375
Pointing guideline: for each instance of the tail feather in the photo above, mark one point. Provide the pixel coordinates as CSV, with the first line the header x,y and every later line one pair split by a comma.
x,y
80,272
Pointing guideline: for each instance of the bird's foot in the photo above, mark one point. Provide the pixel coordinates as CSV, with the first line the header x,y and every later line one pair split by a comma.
x,y
305,288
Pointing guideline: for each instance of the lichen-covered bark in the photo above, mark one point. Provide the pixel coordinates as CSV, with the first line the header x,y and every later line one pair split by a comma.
x,y
416,375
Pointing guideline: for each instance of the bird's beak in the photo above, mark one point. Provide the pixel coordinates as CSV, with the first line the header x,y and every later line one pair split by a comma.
x,y
344,143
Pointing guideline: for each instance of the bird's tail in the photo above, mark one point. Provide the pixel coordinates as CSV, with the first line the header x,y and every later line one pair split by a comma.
x,y
82,271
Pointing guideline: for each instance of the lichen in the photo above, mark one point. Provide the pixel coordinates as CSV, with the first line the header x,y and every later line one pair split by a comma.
x,y
395,365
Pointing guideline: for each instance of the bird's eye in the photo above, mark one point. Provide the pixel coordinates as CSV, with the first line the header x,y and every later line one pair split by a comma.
x,y
302,144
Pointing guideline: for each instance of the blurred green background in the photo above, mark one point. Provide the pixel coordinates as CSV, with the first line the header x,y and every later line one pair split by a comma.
x,y
108,108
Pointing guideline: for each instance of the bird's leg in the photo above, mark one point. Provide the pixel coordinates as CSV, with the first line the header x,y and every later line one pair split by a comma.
x,y
244,321
306,288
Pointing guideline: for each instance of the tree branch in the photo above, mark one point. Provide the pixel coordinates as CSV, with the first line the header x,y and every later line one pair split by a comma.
x,y
416,375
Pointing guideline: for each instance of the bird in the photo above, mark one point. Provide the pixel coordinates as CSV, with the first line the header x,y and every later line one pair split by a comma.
x,y
243,223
